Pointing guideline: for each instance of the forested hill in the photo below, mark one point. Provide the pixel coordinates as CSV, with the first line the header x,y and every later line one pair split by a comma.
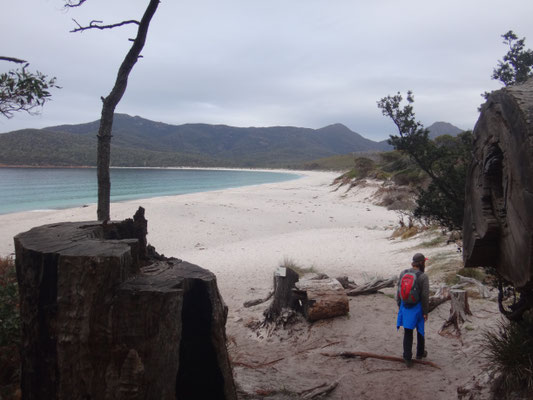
x,y
141,142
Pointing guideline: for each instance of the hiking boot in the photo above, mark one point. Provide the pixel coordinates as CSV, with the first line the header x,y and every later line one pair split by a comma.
x,y
409,363
419,357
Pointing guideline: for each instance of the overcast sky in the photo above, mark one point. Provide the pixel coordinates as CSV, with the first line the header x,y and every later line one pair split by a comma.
x,y
307,63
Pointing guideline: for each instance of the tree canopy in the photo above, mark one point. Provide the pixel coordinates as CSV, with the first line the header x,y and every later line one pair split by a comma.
x,y
444,160
23,90
517,65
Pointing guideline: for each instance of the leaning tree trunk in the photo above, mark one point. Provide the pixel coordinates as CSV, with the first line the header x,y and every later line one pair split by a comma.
x,y
101,319
108,110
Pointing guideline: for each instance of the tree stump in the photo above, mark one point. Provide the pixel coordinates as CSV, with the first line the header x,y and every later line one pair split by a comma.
x,y
284,297
498,217
100,321
323,298
458,311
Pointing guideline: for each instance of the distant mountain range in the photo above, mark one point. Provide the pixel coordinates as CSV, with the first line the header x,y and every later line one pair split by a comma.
x,y
141,142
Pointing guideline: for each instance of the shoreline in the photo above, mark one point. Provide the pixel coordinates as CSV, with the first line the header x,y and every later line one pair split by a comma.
x,y
120,198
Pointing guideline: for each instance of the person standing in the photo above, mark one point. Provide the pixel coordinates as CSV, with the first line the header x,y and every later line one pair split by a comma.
x,y
412,297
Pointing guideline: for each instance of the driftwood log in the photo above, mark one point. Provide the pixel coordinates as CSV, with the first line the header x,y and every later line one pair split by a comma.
x,y
483,290
459,309
314,298
498,221
101,320
322,298
442,296
373,286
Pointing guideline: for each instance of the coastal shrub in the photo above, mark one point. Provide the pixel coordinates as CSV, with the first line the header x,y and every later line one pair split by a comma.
x,y
509,350
9,303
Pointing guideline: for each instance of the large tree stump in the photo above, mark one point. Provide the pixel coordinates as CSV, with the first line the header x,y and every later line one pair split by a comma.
x,y
101,321
322,298
459,309
498,218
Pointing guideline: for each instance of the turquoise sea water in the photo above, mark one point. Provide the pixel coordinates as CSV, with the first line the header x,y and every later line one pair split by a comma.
x,y
24,189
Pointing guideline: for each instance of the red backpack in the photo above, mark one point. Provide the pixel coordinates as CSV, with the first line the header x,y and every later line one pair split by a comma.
x,y
409,287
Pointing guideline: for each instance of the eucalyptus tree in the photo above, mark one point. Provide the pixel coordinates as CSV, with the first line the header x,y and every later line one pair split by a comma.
x,y
517,64
444,160
110,102
23,90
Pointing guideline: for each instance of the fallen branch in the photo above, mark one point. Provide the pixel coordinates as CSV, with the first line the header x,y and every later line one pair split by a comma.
x,y
319,391
256,366
484,291
364,355
346,282
442,295
373,286
251,303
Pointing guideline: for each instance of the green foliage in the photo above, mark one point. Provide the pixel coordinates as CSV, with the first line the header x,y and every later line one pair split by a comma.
x,y
510,352
517,64
445,161
9,304
21,90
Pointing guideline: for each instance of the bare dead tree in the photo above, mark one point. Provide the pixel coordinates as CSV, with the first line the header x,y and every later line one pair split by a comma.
x,y
110,102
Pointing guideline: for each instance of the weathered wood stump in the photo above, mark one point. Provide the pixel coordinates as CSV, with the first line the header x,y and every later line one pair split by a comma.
x,y
498,219
459,309
101,320
283,298
322,298
314,298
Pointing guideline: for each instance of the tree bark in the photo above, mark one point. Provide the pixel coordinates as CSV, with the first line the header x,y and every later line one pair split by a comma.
x,y
322,298
108,111
102,320
284,283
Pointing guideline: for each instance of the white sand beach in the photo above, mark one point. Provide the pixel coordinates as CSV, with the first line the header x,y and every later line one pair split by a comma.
x,y
243,234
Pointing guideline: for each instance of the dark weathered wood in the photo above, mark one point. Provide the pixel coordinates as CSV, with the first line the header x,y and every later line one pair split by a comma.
x,y
102,321
322,299
498,223
283,294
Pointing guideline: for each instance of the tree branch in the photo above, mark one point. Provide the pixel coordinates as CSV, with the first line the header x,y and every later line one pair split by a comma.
x,y
13,59
79,3
96,25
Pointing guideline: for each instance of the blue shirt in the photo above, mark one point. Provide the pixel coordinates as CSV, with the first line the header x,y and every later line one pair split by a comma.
x,y
411,317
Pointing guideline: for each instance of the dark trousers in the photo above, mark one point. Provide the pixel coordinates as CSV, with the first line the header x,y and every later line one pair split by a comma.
x,y
408,344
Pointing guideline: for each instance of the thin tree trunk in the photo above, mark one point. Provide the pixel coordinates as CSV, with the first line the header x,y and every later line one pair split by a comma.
x,y
108,111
